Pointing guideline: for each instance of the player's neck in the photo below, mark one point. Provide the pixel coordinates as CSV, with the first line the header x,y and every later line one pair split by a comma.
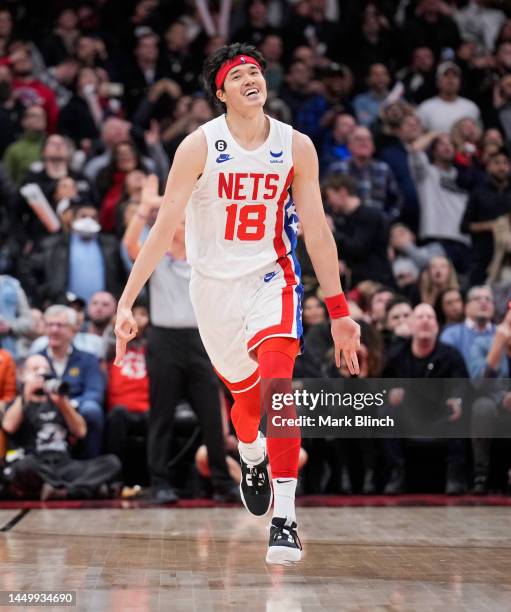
x,y
250,130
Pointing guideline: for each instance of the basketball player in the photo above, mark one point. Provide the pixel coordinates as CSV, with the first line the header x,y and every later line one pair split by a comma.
x,y
233,177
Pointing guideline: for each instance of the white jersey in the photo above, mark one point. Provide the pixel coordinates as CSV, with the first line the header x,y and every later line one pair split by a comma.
x,y
240,217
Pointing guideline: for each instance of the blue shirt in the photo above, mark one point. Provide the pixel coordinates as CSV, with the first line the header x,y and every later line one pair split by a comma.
x,y
464,337
367,107
86,267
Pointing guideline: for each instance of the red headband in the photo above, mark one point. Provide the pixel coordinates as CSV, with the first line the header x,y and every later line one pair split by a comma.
x,y
238,60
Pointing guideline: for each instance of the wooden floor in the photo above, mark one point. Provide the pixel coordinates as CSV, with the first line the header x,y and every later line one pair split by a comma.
x,y
356,559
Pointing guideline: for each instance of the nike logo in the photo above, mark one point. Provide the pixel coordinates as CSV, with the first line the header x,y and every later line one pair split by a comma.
x,y
269,276
279,154
223,157
283,481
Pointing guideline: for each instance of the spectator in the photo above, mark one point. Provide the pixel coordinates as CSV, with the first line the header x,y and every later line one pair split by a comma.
x,y
37,330
62,41
128,392
81,117
420,357
272,48
22,153
31,90
82,262
257,26
360,231
433,27
335,146
438,275
419,78
180,57
367,105
186,370
376,185
441,112
7,380
110,181
479,311
42,421
397,328
480,24
449,307
11,110
442,203
314,312
377,306
15,316
403,241
145,69
296,90
396,155
80,370
486,203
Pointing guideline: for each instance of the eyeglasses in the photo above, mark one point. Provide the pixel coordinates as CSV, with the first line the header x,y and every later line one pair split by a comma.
x,y
481,298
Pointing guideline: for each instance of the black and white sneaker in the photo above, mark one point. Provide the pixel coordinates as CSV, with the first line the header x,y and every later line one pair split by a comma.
x,y
255,487
284,546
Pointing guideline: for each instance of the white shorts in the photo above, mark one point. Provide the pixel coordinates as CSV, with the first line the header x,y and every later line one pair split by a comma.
x,y
235,316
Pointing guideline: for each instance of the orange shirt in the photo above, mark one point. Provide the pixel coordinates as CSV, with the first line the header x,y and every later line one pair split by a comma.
x,y
7,376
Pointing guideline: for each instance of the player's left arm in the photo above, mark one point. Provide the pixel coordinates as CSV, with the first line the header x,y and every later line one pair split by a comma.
x,y
320,244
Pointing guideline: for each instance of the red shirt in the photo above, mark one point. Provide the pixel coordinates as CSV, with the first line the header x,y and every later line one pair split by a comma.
x,y
110,201
35,92
128,385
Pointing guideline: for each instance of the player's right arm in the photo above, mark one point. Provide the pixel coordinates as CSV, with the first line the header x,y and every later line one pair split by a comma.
x,y
188,165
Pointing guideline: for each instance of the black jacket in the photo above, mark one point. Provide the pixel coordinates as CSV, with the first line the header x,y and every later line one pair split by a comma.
x,y
45,274
362,242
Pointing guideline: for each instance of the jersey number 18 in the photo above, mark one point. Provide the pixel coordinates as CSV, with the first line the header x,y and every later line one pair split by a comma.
x,y
245,222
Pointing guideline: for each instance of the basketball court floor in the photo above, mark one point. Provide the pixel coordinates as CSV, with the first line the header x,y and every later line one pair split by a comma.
x,y
199,559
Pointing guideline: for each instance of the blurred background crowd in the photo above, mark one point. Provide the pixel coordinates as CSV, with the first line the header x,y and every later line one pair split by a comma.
x,y
408,103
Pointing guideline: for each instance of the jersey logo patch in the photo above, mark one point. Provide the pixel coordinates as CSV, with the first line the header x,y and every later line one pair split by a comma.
x,y
269,276
275,157
279,154
223,157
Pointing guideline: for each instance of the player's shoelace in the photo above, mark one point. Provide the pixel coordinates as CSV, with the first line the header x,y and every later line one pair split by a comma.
x,y
284,531
256,477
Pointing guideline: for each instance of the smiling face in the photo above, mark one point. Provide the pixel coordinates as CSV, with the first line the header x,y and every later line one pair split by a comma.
x,y
244,88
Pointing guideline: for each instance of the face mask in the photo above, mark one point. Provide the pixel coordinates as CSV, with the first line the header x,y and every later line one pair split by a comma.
x,y
86,227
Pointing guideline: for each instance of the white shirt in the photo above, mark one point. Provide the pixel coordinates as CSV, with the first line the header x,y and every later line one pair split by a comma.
x,y
437,115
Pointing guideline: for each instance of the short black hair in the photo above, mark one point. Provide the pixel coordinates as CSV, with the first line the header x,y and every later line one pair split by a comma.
x,y
214,61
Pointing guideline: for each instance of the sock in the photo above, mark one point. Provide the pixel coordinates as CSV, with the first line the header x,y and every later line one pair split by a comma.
x,y
253,452
276,357
284,497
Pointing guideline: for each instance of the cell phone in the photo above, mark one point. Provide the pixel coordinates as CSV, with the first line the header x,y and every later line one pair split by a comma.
x,y
112,90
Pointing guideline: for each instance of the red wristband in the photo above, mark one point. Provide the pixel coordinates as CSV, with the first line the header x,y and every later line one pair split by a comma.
x,y
337,306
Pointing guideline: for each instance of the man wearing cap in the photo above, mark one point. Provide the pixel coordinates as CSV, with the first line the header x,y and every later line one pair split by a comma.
x,y
441,112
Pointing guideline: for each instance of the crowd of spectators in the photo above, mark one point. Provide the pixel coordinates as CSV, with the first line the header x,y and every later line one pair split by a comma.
x,y
408,103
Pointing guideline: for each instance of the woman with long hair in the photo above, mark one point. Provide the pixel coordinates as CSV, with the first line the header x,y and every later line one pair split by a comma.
x,y
437,276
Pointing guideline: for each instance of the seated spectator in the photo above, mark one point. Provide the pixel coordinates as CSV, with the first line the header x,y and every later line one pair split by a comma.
x,y
397,323
36,330
404,242
15,316
442,203
449,307
396,155
431,27
110,181
436,277
376,185
95,336
335,146
81,117
128,392
29,89
79,369
360,232
83,262
419,78
378,305
490,356
26,150
479,311
420,357
486,203
11,110
440,113
501,116
41,421
406,274
296,90
272,48
55,164
313,312
180,57
367,105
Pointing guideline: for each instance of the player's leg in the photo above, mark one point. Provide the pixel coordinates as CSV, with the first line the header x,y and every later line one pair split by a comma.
x,y
276,358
